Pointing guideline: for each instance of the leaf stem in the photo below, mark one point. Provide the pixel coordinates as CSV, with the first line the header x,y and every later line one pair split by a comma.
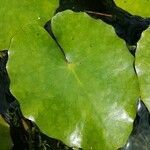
x,y
100,14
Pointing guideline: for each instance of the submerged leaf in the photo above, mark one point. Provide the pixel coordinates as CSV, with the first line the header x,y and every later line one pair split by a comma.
x,y
5,140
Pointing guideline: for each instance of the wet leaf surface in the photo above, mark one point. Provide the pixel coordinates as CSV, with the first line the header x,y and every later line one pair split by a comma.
x,y
81,100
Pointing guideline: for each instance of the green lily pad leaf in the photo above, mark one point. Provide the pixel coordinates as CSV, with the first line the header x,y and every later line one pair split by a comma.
x,y
136,7
142,66
86,97
15,14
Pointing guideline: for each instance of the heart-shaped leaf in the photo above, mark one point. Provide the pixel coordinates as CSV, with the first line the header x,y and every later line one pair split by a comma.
x,y
84,96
